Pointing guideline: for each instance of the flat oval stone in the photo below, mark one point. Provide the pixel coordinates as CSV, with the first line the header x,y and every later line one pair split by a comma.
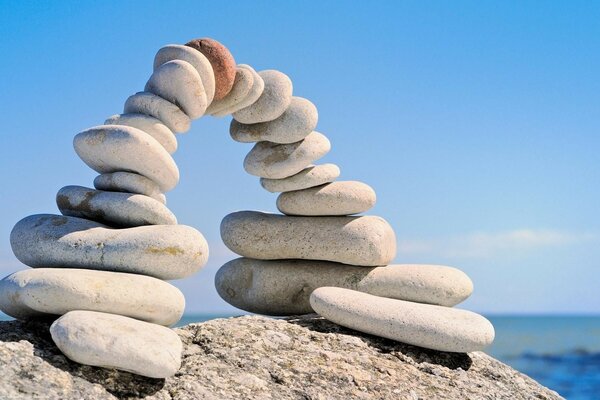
x,y
336,198
35,293
222,62
429,326
365,241
258,85
198,60
293,125
113,208
113,341
311,176
55,241
274,100
276,161
244,79
283,287
178,82
148,124
112,148
128,182
155,106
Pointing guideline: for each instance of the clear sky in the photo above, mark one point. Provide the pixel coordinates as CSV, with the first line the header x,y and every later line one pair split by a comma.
x,y
477,123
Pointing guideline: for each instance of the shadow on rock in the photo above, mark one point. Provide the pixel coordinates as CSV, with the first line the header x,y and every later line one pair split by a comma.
x,y
401,350
119,383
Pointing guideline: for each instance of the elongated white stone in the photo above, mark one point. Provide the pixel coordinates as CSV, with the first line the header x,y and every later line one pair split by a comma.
x,y
273,101
298,120
155,106
258,85
244,79
425,325
112,148
311,176
283,287
336,198
178,82
276,161
114,208
55,241
114,341
33,293
198,60
365,241
148,124
128,182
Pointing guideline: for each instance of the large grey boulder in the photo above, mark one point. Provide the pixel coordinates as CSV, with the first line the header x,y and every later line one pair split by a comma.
x,y
264,358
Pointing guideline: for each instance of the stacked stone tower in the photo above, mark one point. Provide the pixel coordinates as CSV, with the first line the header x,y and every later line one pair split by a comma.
x,y
101,267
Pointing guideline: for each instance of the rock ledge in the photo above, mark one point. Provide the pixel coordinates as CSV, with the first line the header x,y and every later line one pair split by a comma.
x,y
255,357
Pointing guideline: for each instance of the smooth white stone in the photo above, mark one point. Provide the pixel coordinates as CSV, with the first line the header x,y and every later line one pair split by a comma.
x,y
274,100
258,85
198,60
283,287
34,293
55,241
114,341
112,148
128,182
311,176
244,80
336,198
148,124
155,106
276,161
429,326
178,82
113,208
365,241
293,125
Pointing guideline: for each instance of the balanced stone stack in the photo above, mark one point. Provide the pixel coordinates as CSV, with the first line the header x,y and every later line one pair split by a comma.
x,y
319,256
103,263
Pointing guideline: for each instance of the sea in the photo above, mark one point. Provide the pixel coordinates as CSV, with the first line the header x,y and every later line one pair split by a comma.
x,y
560,352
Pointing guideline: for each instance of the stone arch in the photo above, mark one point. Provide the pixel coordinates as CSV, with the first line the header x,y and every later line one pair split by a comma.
x,y
103,263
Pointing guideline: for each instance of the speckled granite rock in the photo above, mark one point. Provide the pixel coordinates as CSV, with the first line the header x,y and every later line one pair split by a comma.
x,y
263,358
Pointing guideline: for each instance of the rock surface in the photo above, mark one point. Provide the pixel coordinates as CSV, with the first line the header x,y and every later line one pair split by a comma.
x,y
223,64
311,176
263,358
273,101
148,124
155,106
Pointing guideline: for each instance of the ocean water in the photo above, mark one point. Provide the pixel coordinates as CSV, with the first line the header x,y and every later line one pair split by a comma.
x,y
560,352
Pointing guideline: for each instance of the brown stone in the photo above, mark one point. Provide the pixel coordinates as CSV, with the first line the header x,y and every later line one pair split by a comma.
x,y
222,61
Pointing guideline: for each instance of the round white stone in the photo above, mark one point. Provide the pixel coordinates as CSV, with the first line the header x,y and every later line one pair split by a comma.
x,y
365,241
429,326
276,161
148,124
155,106
283,287
198,60
112,148
114,341
34,293
336,198
258,85
293,125
311,176
178,82
55,241
244,80
113,208
274,100
128,182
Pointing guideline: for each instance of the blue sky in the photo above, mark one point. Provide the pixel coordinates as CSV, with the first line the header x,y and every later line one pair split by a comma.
x,y
477,123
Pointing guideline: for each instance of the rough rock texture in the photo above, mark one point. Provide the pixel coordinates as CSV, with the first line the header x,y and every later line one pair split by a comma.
x,y
263,358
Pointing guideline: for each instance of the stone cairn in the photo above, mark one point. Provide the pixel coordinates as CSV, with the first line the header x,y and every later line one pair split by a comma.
x,y
102,265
